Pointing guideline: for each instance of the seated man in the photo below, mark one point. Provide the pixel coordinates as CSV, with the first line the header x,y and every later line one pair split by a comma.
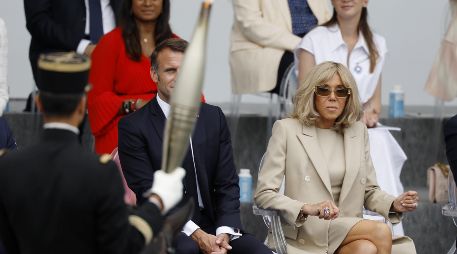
x,y
211,179
6,136
57,198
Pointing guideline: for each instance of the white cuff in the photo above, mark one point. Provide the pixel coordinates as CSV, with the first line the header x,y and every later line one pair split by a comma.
x,y
82,46
190,228
234,233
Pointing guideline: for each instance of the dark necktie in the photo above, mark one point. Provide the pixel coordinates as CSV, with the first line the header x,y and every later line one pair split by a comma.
x,y
95,20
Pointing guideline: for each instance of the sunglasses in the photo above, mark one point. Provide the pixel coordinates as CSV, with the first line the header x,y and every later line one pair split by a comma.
x,y
325,90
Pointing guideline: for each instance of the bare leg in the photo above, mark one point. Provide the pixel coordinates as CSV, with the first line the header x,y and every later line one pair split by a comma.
x,y
358,247
377,233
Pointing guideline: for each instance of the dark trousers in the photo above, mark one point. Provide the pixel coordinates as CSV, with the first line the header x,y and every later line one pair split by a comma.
x,y
245,244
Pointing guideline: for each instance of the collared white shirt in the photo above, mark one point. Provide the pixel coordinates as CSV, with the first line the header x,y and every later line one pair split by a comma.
x,y
3,67
327,44
108,18
190,226
61,126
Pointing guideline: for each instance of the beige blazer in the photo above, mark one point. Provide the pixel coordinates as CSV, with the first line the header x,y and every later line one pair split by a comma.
x,y
294,154
261,32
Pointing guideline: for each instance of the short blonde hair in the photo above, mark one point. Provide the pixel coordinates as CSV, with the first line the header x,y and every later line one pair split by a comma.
x,y
304,100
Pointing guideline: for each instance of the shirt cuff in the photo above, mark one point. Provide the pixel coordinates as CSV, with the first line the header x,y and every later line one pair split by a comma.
x,y
233,232
82,46
190,228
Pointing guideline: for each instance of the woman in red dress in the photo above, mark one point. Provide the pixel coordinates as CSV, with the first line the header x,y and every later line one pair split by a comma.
x,y
120,78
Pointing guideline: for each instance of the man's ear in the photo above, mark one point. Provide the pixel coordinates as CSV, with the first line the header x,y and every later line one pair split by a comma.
x,y
154,75
38,103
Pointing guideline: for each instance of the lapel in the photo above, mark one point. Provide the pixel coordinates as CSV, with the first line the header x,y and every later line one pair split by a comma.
x,y
308,138
157,119
352,152
285,11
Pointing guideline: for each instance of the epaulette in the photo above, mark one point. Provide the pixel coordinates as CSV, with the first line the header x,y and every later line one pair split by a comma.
x,y
3,152
105,158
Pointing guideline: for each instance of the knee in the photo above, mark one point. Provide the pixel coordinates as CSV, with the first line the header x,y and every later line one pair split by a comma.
x,y
364,247
382,232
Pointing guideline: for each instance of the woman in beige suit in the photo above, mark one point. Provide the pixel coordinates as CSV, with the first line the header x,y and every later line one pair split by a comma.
x,y
322,153
263,30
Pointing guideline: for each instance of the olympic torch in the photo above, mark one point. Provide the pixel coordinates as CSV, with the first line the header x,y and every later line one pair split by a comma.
x,y
186,96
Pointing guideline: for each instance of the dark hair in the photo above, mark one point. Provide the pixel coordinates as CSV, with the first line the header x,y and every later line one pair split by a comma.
x,y
175,44
60,105
130,32
364,27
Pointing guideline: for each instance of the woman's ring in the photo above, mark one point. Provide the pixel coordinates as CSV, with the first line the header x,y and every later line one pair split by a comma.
x,y
326,211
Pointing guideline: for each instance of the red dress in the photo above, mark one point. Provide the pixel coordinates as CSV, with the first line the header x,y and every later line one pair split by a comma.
x,y
114,78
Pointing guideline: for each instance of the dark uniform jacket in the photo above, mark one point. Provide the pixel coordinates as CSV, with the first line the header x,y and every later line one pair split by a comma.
x,y
56,25
140,153
55,197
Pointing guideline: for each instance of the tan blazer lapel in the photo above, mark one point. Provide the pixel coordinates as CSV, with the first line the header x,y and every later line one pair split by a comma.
x,y
285,12
308,138
352,152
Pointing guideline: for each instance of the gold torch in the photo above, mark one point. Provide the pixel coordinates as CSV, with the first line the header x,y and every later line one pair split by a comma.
x,y
186,96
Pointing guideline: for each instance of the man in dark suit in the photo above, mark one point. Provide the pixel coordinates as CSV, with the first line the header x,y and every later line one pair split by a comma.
x,y
69,25
211,179
6,136
55,197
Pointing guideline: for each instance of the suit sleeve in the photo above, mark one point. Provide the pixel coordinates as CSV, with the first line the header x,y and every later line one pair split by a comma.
x,y
376,200
227,191
43,27
135,161
271,175
450,137
255,28
6,233
116,228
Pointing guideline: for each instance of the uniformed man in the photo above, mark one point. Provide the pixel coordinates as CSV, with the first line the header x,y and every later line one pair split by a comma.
x,y
55,197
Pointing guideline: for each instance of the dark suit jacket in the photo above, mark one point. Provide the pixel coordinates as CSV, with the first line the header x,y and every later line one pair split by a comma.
x,y
57,198
140,153
450,137
6,136
56,25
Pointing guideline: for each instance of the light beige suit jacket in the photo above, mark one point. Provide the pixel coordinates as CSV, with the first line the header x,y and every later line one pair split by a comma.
x,y
294,154
261,32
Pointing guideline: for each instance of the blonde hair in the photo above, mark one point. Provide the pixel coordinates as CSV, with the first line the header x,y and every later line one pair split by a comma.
x,y
304,100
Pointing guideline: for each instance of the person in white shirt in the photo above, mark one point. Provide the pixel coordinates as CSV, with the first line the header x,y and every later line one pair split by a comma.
x,y
3,67
348,39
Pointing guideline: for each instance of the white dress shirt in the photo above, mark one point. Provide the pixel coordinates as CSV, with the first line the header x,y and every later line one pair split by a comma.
x,y
108,18
62,126
190,226
3,67
327,44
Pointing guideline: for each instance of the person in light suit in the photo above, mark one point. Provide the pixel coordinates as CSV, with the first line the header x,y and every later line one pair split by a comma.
x,y
264,34
323,153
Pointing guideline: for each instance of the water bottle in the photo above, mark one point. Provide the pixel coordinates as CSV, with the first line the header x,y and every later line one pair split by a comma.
x,y
245,182
396,102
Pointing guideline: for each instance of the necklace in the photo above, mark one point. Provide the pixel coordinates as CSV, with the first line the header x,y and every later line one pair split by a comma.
x,y
145,40
357,68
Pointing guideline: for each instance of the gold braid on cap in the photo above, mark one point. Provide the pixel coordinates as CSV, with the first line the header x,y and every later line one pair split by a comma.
x,y
64,62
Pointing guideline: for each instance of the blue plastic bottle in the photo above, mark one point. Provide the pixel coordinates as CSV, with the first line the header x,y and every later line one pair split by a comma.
x,y
245,182
396,102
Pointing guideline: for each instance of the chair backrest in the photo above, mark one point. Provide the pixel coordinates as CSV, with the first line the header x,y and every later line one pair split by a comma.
x,y
129,195
289,85
452,191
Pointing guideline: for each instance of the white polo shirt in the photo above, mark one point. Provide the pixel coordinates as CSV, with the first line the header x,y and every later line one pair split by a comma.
x,y
326,44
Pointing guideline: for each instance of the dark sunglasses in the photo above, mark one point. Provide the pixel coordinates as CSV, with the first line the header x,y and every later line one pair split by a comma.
x,y
325,90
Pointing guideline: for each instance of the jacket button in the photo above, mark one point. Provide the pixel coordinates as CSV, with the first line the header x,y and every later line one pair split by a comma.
x,y
301,241
307,178
363,180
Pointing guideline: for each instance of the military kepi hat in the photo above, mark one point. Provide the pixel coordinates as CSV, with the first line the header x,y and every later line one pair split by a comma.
x,y
63,73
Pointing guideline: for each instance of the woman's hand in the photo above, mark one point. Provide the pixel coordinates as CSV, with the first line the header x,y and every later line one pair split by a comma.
x,y
326,210
406,202
370,118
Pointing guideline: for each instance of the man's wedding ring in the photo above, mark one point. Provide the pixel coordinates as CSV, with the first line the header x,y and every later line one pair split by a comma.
x,y
326,211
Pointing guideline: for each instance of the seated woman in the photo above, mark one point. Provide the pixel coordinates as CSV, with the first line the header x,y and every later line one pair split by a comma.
x,y
347,39
323,154
120,72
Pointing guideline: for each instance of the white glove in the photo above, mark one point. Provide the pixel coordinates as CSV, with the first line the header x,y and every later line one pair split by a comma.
x,y
168,187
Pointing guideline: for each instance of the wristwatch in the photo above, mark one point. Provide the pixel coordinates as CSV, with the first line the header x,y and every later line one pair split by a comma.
x,y
128,107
